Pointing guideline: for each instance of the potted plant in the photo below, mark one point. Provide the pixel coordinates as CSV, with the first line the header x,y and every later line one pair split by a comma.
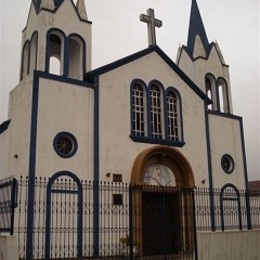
x,y
125,246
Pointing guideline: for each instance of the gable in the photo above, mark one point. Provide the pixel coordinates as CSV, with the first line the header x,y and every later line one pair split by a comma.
x,y
141,54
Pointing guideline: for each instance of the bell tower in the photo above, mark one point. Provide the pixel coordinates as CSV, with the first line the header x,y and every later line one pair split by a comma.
x,y
205,65
57,39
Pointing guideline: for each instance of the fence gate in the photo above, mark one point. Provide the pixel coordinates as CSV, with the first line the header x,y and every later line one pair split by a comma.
x,y
163,222
63,217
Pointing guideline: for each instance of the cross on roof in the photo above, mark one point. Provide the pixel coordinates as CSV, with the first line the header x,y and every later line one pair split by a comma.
x,y
152,22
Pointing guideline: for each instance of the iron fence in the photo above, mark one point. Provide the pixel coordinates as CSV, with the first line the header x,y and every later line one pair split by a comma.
x,y
84,219
8,202
232,209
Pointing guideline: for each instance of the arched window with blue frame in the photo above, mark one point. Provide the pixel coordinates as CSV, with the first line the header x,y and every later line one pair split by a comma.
x,y
55,58
173,120
223,97
156,114
139,122
156,111
76,58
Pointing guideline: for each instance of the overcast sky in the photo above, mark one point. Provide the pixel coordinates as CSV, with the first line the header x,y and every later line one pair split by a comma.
x,y
117,32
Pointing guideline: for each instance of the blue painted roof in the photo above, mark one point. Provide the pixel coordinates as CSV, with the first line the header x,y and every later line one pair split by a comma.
x,y
196,27
37,4
90,76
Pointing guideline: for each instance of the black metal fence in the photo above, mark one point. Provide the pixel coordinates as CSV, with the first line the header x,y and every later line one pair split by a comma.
x,y
83,219
8,202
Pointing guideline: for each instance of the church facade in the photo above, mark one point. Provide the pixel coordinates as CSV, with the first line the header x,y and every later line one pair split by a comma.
x,y
115,118
143,119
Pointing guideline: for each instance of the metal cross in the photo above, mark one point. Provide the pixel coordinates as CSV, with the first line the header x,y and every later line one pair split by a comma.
x,y
152,22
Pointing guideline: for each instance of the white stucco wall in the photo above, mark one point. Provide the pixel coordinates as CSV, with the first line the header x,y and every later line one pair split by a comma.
x,y
117,150
70,108
16,138
225,138
227,245
4,154
8,248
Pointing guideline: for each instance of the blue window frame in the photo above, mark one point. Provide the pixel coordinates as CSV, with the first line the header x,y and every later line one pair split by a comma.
x,y
155,111
138,109
156,114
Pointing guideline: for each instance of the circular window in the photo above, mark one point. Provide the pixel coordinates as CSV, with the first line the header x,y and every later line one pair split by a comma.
x,y
65,144
227,163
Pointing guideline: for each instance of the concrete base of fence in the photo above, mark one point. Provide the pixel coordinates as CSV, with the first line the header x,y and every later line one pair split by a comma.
x,y
239,245
8,248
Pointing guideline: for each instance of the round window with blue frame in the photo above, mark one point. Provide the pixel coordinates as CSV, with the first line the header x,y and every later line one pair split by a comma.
x,y
65,144
227,163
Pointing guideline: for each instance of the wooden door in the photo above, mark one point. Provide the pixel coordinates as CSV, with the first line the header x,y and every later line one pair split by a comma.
x,y
161,223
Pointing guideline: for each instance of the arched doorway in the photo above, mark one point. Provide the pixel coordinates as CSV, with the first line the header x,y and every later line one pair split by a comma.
x,y
163,222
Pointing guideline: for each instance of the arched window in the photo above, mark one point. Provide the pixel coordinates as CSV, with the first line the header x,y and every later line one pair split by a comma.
x,y
76,57
156,112
33,52
223,96
211,91
55,48
25,60
173,115
138,110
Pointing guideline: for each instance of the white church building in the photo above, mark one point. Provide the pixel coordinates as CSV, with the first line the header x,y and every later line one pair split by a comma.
x,y
144,119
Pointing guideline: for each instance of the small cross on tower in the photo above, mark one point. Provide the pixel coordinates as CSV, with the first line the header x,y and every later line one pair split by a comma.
x,y
152,22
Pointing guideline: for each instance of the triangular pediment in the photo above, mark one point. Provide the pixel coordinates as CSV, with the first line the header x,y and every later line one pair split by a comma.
x,y
90,76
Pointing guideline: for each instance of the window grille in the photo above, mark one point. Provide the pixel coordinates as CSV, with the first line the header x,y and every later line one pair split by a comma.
x,y
173,120
156,112
138,110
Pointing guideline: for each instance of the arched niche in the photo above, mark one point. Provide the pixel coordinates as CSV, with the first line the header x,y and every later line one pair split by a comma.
x,y
76,57
211,91
33,52
25,60
223,96
55,48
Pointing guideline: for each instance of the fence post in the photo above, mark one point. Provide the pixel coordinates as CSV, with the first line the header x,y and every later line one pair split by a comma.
x,y
194,225
30,218
248,210
96,218
131,256
13,204
212,212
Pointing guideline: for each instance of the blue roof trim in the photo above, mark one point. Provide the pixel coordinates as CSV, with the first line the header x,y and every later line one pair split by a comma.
x,y
4,126
227,115
196,27
37,4
208,51
154,48
46,75
57,4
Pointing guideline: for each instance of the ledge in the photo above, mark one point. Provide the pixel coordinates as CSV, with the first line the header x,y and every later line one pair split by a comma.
x,y
149,140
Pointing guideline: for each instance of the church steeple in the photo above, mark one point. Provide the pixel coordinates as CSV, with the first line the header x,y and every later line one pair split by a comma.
x,y
197,30
203,62
52,44
82,9
48,4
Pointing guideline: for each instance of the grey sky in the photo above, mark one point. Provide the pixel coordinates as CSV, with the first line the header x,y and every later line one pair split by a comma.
x,y
117,32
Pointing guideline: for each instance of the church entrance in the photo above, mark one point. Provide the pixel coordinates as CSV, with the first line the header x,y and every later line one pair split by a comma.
x,y
160,223
163,184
